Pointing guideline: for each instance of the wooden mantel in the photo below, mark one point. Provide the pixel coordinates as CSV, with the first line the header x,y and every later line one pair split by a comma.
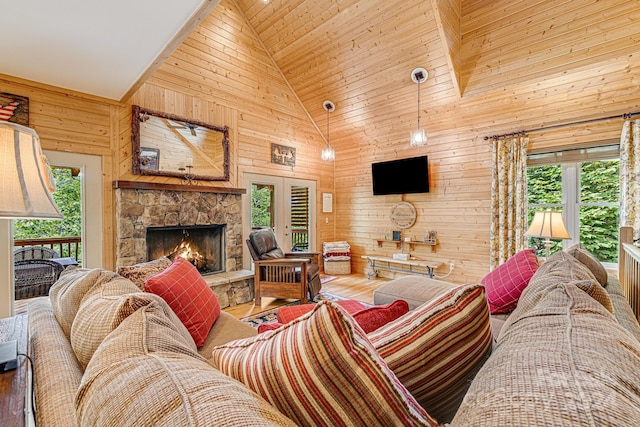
x,y
141,185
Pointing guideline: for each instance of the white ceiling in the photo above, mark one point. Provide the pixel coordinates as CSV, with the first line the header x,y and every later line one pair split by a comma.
x,y
90,46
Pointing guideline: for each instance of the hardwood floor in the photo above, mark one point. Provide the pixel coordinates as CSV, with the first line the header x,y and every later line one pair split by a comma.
x,y
353,286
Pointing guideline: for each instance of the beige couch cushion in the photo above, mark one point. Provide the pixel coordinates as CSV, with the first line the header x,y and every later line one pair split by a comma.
x,y
146,374
583,255
562,268
67,293
621,308
415,290
562,361
227,328
100,313
56,370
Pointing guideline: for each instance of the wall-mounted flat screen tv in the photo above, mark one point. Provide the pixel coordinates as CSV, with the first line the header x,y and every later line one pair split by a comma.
x,y
402,176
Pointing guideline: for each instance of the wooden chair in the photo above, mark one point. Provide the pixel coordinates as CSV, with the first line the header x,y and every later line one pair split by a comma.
x,y
282,275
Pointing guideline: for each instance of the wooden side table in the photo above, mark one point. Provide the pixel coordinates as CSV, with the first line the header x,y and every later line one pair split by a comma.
x,y
13,383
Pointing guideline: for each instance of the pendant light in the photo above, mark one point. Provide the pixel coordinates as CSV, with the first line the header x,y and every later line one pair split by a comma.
x,y
419,136
328,154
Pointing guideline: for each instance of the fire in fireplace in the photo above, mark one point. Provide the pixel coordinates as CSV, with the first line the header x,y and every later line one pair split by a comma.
x,y
201,245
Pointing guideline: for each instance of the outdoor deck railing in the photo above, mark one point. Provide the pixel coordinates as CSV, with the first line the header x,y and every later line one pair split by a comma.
x,y
65,246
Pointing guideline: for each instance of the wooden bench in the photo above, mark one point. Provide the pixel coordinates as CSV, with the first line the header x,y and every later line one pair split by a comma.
x,y
411,266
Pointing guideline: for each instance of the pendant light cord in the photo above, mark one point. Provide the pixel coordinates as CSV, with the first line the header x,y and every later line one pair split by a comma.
x,y
419,103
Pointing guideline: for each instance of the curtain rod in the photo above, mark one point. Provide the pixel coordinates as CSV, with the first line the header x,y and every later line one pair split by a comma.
x,y
582,122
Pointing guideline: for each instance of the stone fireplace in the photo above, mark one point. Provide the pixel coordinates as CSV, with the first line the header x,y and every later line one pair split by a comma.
x,y
179,209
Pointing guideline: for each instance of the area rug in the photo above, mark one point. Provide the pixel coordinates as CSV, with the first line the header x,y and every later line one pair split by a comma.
x,y
270,315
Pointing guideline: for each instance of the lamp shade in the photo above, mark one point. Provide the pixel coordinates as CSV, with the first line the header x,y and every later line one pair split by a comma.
x,y
547,224
23,175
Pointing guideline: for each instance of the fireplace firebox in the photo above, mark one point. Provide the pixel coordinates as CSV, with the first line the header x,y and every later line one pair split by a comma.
x,y
201,245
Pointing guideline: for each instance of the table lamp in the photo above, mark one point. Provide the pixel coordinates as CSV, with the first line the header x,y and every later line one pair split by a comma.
x,y
25,185
547,225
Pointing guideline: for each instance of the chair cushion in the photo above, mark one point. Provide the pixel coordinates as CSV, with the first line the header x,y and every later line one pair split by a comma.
x,y
505,284
188,295
146,373
436,349
321,370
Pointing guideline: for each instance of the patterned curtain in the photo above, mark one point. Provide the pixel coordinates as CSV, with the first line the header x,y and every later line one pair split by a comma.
x,y
508,198
630,176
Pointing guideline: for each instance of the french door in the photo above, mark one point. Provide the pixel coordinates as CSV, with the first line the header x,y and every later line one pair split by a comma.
x,y
286,205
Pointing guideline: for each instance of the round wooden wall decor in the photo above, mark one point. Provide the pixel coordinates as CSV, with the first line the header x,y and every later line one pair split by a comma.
x,y
403,215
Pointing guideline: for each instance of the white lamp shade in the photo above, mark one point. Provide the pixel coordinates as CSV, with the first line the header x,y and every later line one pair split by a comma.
x,y
547,224
23,175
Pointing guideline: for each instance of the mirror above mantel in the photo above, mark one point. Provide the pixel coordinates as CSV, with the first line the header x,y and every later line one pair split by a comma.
x,y
170,145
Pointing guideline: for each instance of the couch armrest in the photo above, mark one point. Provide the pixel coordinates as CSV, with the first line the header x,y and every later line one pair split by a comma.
x,y
56,370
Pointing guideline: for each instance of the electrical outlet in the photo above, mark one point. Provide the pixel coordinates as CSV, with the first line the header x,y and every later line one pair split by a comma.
x,y
450,266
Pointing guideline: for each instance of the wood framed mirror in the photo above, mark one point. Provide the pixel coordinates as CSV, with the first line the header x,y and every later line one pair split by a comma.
x,y
169,145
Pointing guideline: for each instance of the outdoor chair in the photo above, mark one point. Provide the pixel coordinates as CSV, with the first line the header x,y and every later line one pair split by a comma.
x,y
282,275
34,277
34,252
34,271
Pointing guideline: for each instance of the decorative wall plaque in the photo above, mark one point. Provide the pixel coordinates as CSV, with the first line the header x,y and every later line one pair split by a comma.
x,y
403,215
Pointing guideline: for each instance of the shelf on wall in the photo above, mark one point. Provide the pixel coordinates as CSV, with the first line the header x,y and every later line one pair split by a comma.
x,y
412,243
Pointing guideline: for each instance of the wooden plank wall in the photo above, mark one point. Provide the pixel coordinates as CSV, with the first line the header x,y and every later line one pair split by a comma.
x,y
77,123
458,205
222,75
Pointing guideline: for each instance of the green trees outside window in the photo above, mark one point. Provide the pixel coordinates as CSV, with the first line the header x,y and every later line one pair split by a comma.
x,y
591,193
68,198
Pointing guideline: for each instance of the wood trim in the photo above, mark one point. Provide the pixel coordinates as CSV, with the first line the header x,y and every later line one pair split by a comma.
x,y
141,185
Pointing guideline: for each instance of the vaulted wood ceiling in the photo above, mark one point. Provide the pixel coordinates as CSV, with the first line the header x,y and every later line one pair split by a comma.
x,y
360,54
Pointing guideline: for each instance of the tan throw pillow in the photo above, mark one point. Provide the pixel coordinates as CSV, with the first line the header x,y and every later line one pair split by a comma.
x,y
67,293
583,255
437,349
146,374
139,273
321,370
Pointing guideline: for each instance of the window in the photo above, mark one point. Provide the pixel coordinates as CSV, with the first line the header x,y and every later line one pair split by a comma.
x,y
586,189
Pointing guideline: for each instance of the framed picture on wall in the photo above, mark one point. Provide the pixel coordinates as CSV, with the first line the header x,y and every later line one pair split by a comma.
x,y
14,108
149,158
283,155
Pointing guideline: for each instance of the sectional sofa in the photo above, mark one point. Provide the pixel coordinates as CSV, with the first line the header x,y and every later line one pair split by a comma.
x,y
107,353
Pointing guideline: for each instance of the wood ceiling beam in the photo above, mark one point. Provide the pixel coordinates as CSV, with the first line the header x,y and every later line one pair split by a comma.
x,y
447,14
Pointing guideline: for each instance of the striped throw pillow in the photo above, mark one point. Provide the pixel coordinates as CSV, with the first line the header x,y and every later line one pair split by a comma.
x,y
320,370
436,349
